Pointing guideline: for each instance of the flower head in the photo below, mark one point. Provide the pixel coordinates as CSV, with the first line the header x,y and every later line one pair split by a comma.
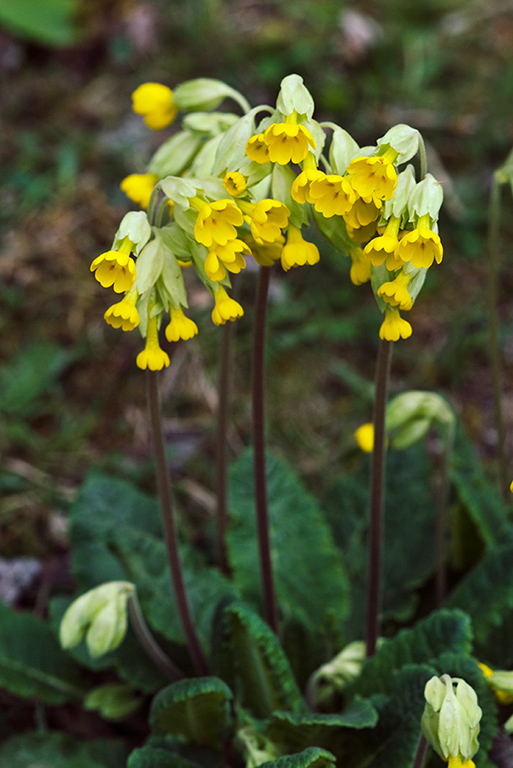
x,y
225,308
124,314
180,327
373,177
298,251
216,222
154,102
421,246
115,268
331,195
394,327
234,183
257,150
139,186
288,142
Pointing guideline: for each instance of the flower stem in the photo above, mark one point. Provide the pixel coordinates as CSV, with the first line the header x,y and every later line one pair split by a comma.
x,y
493,330
420,756
148,642
264,545
377,498
222,447
169,524
441,518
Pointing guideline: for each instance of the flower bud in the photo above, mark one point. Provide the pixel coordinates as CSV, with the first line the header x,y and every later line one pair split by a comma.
x,y
114,701
136,227
426,198
294,96
410,415
99,616
328,681
404,139
343,149
450,721
201,94
398,205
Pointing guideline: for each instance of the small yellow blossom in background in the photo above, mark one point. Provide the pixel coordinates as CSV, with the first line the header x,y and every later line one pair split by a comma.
x,y
115,268
511,487
180,327
421,246
298,251
394,327
288,142
225,308
216,222
257,150
139,186
152,356
364,436
124,314
154,102
501,683
234,183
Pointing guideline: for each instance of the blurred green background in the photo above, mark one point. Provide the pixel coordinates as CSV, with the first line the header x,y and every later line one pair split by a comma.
x,y
71,397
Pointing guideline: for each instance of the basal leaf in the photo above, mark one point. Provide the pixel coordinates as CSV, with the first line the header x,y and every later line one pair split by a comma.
x,y
52,749
49,22
309,577
32,662
313,757
249,657
198,710
157,757
33,370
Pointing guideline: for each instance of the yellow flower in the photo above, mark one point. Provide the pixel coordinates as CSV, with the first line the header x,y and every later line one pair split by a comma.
x,y
234,183
383,248
288,142
501,683
116,268
180,327
421,246
393,326
365,437
373,177
139,186
225,307
360,267
266,218
363,212
396,293
362,234
300,189
455,762
226,257
152,356
266,254
155,103
216,221
298,251
257,150
331,195
124,314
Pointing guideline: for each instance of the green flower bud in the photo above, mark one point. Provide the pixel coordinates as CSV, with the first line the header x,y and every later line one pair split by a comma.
x,y
202,94
99,616
450,721
404,139
179,190
209,123
504,174
426,199
136,227
114,701
410,415
175,154
398,205
294,96
343,149
326,683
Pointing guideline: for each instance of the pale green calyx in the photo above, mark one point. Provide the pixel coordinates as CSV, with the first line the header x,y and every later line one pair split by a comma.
x,y
136,227
451,717
294,96
426,199
404,139
504,173
99,616
149,265
203,93
179,190
343,149
410,415
209,123
114,701
327,682
398,205
175,154
231,153
281,181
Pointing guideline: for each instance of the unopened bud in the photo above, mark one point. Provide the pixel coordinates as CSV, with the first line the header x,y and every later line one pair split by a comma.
x,y
450,721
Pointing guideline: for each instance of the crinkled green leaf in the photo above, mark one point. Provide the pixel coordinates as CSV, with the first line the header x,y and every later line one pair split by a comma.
x,y
158,757
313,757
52,749
198,710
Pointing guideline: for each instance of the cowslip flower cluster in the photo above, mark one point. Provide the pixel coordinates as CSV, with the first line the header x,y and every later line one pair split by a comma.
x,y
226,188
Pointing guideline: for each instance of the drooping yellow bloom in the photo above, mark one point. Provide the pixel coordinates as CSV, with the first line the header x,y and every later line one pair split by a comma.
x,y
257,150
288,141
266,218
154,102
234,183
331,195
180,327
300,189
225,307
421,246
394,327
383,249
456,762
124,314
396,293
226,257
365,437
360,266
216,221
116,268
298,251
363,212
266,254
152,356
362,234
374,177
139,186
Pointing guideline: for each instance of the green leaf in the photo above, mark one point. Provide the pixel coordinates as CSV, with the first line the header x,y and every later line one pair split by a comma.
x,y
198,710
409,540
478,495
157,757
48,750
443,631
33,370
32,662
47,22
252,662
309,577
313,757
